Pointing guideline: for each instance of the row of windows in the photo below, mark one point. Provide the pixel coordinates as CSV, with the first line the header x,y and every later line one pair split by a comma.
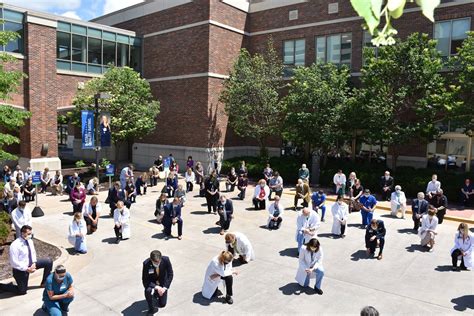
x,y
337,48
12,21
81,48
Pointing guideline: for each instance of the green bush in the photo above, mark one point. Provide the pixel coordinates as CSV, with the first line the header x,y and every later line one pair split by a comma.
x,y
5,218
80,164
4,231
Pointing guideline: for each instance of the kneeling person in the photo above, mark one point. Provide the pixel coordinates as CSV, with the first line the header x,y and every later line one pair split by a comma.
x,y
157,275
58,292
238,244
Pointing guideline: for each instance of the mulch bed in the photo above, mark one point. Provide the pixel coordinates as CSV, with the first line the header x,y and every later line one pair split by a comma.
x,y
43,250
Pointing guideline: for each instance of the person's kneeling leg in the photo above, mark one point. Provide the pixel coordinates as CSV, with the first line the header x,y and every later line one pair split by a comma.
x,y
53,308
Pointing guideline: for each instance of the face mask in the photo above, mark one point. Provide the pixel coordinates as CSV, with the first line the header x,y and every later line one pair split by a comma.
x,y
59,278
339,202
156,265
367,195
262,185
386,177
374,227
312,249
29,237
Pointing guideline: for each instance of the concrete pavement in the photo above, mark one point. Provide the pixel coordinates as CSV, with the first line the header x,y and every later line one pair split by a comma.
x,y
108,279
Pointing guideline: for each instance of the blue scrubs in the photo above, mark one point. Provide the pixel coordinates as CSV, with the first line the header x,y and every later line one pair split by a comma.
x,y
55,308
317,200
368,202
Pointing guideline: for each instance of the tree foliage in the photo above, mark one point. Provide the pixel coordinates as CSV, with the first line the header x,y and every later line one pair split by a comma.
x,y
11,119
315,104
463,76
251,95
132,107
403,93
373,11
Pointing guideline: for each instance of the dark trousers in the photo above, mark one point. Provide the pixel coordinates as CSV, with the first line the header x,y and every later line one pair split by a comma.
x,y
161,299
211,201
416,222
118,234
440,214
29,197
242,193
153,181
230,187
170,191
275,224
21,277
189,186
305,204
259,204
343,229
168,224
454,256
139,190
386,195
372,244
44,186
229,280
77,208
225,224
276,192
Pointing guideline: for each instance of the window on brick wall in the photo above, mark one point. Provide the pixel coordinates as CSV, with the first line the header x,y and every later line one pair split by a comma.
x,y
450,35
85,49
13,22
336,49
294,52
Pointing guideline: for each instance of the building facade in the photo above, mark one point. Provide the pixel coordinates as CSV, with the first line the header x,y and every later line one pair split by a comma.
x,y
185,49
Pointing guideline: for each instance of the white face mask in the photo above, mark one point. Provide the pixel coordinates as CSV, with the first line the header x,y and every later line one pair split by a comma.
x,y
387,177
156,265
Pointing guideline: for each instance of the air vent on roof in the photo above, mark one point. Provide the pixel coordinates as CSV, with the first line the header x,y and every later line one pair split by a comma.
x,y
333,7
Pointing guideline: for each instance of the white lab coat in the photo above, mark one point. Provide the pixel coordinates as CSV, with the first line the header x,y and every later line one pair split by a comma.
x,y
210,286
124,220
466,246
339,213
257,192
74,229
398,202
307,260
425,225
312,222
243,247
20,219
272,210
87,209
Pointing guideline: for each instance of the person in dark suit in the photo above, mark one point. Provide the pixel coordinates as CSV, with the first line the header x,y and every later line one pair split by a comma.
x,y
157,276
171,217
386,186
212,192
419,207
114,196
71,182
375,234
225,208
439,203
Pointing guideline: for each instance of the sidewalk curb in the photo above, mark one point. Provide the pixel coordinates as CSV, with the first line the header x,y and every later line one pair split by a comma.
x,y
387,209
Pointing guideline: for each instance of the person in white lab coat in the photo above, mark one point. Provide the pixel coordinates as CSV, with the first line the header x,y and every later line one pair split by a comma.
x,y
311,265
427,230
260,195
463,245
91,212
340,213
307,226
398,201
219,269
275,213
77,233
21,216
239,244
122,222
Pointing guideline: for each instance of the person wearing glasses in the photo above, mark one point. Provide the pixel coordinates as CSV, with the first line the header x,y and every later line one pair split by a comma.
x,y
219,269
58,292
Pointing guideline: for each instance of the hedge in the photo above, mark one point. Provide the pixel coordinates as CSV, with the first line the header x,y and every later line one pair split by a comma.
x,y
412,180
5,226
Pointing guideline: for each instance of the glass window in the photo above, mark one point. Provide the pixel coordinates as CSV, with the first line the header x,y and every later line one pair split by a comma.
x,y
299,52
321,50
79,29
346,49
13,16
333,50
109,52
63,44
109,36
15,46
79,67
136,58
94,33
66,27
294,52
122,39
122,55
336,49
64,65
79,48
450,35
94,51
94,69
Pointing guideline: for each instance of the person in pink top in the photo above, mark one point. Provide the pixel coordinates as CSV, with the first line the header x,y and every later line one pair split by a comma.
x,y
78,197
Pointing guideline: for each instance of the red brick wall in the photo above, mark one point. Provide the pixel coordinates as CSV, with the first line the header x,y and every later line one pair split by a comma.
x,y
17,98
224,48
67,85
42,92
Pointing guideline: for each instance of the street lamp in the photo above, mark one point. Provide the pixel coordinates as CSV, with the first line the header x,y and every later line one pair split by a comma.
x,y
97,97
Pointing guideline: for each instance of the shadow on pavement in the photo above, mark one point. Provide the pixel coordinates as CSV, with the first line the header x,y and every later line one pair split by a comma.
x,y
415,247
110,240
463,302
199,212
327,235
105,216
354,225
408,231
212,230
136,308
159,236
292,289
289,252
199,299
153,221
360,254
264,227
446,268
68,213
387,216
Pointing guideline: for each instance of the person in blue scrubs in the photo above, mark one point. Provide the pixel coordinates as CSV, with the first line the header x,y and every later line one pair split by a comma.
x,y
319,203
368,202
58,292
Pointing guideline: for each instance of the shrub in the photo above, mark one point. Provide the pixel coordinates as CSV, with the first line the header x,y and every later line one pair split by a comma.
x,y
4,231
5,218
80,164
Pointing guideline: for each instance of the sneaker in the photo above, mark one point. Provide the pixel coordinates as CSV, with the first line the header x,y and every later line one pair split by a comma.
x,y
379,257
318,291
229,300
180,237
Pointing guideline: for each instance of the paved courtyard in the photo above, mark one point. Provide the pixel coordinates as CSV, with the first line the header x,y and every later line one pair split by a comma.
x,y
107,280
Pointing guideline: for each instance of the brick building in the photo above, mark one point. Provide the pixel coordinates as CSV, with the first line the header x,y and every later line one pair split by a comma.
x,y
185,49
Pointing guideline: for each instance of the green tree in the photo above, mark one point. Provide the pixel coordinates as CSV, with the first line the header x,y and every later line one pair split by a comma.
x,y
315,103
373,11
403,94
132,107
11,119
251,96
462,67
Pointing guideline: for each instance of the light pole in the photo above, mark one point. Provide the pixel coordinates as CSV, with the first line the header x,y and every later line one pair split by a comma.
x,y
97,97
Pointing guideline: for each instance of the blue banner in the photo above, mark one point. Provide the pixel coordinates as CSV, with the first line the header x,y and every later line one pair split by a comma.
x,y
36,177
88,141
110,170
